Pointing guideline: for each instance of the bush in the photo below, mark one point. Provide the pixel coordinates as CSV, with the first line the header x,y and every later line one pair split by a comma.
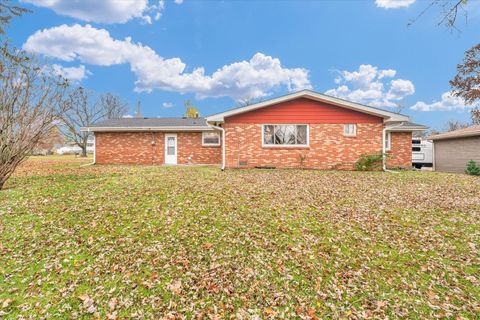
x,y
369,162
472,168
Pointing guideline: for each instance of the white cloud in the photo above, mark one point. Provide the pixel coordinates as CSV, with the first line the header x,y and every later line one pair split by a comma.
x,y
394,4
448,102
370,86
240,80
399,89
74,74
167,105
178,1
103,11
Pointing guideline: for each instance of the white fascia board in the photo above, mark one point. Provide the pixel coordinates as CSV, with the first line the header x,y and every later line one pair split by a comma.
x,y
140,129
387,115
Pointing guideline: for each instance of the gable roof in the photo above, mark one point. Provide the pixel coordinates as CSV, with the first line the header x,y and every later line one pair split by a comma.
x,y
387,115
461,133
150,124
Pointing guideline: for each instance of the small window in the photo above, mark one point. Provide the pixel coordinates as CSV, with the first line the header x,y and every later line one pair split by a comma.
x,y
210,139
388,141
285,135
416,149
171,146
350,129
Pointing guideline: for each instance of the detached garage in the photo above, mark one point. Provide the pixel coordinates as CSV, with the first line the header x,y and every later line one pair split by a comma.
x,y
452,150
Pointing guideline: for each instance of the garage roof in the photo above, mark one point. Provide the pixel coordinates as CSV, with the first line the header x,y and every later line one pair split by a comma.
x,y
461,133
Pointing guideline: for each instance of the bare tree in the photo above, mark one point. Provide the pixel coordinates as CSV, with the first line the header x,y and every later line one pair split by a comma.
x,y
399,107
248,102
30,104
7,12
85,108
449,12
453,125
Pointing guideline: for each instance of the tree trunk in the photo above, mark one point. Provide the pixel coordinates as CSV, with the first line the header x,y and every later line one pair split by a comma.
x,y
84,152
3,179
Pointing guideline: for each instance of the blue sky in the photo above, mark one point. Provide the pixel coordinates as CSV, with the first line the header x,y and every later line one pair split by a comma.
x,y
217,53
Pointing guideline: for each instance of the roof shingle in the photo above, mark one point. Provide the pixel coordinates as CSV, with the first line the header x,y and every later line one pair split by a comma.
x,y
150,122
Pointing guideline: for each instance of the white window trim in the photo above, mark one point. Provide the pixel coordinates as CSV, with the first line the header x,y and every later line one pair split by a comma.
x,y
388,141
210,144
350,134
285,145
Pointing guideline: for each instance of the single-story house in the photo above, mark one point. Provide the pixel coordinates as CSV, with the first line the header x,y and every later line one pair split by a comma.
x,y
452,150
299,130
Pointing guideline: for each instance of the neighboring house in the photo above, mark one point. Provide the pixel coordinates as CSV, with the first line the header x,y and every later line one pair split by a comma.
x,y
299,130
452,150
73,148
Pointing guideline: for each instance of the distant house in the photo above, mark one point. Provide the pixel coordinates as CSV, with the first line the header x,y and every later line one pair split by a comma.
x,y
303,129
72,148
452,150
50,143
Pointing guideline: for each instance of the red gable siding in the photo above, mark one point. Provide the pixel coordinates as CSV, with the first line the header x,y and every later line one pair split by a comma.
x,y
303,111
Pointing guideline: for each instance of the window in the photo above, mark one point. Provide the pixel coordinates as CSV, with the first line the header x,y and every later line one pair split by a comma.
x,y
210,139
416,149
285,135
171,146
388,141
349,129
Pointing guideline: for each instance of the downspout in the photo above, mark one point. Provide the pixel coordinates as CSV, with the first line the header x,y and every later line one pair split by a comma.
x,y
384,150
223,143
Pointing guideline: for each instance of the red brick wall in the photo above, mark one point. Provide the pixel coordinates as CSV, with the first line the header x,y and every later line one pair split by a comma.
x,y
191,151
129,147
329,148
137,148
400,151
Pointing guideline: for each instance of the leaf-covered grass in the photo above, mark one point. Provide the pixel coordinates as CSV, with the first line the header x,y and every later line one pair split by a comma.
x,y
195,242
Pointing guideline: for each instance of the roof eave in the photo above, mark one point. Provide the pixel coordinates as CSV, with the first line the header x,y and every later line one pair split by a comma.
x,y
469,135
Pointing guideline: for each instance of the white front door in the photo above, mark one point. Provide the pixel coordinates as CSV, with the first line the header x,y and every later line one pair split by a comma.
x,y
171,148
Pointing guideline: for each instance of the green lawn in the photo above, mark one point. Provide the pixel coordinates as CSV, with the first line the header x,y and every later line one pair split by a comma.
x,y
195,242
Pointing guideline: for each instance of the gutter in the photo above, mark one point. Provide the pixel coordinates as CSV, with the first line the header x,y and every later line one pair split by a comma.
x,y
223,144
